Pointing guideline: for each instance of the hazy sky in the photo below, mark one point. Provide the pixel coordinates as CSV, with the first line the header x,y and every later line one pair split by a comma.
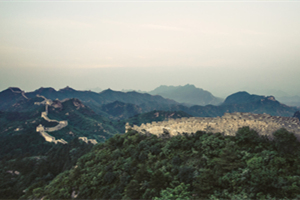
x,y
221,46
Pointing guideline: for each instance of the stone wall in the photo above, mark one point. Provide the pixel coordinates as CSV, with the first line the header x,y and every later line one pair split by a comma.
x,y
228,124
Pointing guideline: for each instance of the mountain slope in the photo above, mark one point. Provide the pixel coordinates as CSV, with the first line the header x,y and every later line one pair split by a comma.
x,y
19,128
119,110
196,166
187,94
27,159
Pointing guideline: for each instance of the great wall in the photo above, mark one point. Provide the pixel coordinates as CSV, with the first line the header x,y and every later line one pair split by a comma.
x,y
18,92
42,130
228,124
61,124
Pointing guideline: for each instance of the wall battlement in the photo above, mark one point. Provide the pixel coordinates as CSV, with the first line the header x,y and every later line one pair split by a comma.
x,y
228,124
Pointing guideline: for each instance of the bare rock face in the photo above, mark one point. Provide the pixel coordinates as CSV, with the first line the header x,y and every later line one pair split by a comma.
x,y
78,104
57,104
272,98
228,124
86,140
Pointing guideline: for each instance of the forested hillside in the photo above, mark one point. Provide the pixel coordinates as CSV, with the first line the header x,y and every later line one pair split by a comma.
x,y
196,166
38,168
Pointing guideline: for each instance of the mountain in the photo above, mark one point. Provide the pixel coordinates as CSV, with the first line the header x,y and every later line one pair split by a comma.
x,y
40,138
10,96
241,102
20,128
241,98
29,160
188,94
65,93
95,100
82,121
99,102
119,105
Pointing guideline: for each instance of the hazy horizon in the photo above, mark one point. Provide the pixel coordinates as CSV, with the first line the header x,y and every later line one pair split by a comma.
x,y
219,46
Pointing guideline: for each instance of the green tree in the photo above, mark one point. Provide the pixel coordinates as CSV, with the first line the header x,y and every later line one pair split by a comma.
x,y
179,192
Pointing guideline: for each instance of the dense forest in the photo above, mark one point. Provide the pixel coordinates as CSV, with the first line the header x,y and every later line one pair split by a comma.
x,y
25,171
188,166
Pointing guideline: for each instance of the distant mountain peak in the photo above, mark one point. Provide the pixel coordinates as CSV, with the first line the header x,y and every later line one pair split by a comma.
x,y
67,89
15,89
42,89
244,97
190,86
188,94
107,91
272,98
241,93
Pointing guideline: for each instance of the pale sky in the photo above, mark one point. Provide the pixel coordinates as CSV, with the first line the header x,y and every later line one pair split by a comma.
x,y
220,46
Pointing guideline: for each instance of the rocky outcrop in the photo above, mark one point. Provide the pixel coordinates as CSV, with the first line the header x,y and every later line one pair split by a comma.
x,y
228,124
78,104
86,140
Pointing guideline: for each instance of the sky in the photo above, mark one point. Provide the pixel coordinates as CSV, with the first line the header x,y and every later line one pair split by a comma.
x,y
220,46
